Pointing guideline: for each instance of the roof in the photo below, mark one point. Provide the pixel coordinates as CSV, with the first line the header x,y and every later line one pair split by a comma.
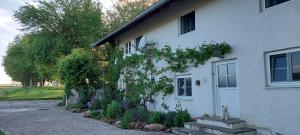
x,y
139,18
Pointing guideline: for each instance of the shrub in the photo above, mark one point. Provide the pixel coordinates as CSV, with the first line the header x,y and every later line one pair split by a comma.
x,y
169,119
96,105
113,110
181,117
78,71
73,106
156,117
126,119
96,114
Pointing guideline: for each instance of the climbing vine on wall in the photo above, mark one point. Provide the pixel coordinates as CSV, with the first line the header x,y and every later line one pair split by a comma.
x,y
145,73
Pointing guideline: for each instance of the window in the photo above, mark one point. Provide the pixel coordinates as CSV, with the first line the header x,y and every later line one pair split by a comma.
x,y
184,86
187,23
284,67
271,3
128,48
137,42
227,75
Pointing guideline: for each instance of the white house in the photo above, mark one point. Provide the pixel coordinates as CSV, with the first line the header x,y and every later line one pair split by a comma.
x,y
259,81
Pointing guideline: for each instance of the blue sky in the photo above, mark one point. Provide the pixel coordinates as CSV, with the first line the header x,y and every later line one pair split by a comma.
x,y
9,28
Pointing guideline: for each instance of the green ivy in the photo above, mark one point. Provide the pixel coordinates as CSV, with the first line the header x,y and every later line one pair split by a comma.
x,y
144,78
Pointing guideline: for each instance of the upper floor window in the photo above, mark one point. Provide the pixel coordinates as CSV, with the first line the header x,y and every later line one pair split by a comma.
x,y
284,67
187,23
128,48
137,42
271,3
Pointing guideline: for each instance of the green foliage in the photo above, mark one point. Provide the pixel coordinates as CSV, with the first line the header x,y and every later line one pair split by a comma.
x,y
144,78
169,120
17,63
157,117
124,10
96,115
126,119
181,117
73,106
97,104
79,71
54,29
113,110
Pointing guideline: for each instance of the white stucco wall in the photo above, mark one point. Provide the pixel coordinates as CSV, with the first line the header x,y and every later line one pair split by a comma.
x,y
251,33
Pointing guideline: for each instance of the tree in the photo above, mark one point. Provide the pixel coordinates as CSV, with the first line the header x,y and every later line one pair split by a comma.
x,y
80,71
124,10
57,27
17,63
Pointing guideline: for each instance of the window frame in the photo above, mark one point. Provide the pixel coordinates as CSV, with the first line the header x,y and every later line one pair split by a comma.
x,y
137,42
176,86
266,6
181,23
128,48
268,62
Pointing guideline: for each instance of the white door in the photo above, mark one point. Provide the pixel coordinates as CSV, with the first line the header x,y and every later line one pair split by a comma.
x,y
226,92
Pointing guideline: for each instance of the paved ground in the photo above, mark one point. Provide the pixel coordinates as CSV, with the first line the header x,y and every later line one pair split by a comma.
x,y
44,118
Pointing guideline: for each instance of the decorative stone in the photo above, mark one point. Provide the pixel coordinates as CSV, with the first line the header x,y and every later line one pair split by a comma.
x,y
74,97
87,114
76,110
136,125
169,130
118,124
155,127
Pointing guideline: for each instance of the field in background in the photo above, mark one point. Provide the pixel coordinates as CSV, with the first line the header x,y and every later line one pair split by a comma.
x,y
18,93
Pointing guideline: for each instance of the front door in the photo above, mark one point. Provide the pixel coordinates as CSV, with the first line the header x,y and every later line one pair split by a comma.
x,y
226,89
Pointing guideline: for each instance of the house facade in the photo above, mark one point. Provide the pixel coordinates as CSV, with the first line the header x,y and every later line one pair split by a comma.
x,y
259,80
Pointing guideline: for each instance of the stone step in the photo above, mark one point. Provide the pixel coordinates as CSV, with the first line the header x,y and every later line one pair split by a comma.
x,y
219,130
185,131
232,123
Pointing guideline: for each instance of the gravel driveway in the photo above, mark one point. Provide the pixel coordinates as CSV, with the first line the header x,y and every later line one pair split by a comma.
x,y
44,118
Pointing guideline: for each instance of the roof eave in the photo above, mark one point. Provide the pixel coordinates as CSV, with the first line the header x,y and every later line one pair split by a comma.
x,y
136,19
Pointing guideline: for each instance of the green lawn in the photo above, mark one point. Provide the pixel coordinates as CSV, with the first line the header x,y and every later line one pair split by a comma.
x,y
30,94
2,133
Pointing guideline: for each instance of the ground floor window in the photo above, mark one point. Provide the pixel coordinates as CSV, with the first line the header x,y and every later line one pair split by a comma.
x,y
184,86
284,66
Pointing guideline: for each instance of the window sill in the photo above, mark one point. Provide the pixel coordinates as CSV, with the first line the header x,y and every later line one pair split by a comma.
x,y
182,98
186,34
283,85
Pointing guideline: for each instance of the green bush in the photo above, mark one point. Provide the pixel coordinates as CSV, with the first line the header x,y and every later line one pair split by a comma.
x,y
181,117
73,106
126,119
96,114
113,110
156,117
139,114
78,71
169,119
97,104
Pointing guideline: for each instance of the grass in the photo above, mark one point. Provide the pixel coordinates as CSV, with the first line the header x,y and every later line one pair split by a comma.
x,y
30,94
2,133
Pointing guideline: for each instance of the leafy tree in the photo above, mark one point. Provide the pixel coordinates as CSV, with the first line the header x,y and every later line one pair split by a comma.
x,y
57,27
80,71
17,64
124,10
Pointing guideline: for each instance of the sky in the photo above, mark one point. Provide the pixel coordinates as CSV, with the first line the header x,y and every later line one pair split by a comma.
x,y
9,28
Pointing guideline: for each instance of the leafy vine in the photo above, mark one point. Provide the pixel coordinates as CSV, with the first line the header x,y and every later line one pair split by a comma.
x,y
144,78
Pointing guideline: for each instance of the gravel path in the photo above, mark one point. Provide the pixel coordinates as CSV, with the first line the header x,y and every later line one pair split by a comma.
x,y
44,118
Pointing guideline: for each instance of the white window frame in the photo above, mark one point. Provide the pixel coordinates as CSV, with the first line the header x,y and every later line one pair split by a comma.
x,y
262,5
268,69
180,26
129,48
176,86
